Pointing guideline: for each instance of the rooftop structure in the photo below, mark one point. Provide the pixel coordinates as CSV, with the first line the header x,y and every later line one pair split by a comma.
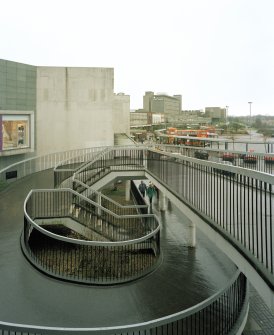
x,y
79,102
169,106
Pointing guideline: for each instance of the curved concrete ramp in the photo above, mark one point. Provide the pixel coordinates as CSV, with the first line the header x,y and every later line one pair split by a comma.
x,y
187,276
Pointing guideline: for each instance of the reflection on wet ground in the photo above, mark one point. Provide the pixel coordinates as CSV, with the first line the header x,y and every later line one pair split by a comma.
x,y
260,319
186,276
204,266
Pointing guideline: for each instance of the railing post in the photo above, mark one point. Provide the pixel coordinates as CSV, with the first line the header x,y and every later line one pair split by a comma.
x,y
145,153
162,201
191,240
127,190
99,202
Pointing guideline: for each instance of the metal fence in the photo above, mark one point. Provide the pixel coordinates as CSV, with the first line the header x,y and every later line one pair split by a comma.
x,y
203,185
218,315
233,198
263,162
66,169
238,201
131,158
107,202
71,237
36,164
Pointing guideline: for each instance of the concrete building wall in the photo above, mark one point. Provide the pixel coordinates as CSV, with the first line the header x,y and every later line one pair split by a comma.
x,y
158,105
215,113
121,113
138,119
17,97
179,98
192,113
162,103
167,105
74,108
147,101
158,118
17,86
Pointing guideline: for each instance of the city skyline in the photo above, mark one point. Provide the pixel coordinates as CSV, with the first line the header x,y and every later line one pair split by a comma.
x,y
213,53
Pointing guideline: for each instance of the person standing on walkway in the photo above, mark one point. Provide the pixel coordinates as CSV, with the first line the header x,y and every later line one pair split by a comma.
x,y
143,188
150,192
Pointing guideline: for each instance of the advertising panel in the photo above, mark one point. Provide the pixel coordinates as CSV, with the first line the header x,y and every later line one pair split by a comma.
x,y
14,132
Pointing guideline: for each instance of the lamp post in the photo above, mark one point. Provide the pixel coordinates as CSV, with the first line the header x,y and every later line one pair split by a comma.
x,y
250,103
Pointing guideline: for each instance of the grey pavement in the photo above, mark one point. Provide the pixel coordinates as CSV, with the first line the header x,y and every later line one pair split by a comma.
x,y
28,296
186,275
260,320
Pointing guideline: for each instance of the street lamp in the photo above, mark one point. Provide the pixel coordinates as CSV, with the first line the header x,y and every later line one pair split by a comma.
x,y
226,114
250,103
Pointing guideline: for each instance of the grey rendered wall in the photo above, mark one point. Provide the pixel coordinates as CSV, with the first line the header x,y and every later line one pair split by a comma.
x,y
17,93
121,113
74,108
17,86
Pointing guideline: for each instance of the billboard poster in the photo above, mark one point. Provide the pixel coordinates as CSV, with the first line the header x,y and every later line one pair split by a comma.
x,y
14,132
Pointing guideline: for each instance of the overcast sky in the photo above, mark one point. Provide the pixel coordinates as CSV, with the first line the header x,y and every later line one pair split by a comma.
x,y
212,52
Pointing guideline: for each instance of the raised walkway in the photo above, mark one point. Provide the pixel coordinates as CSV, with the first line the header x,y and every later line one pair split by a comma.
x,y
186,276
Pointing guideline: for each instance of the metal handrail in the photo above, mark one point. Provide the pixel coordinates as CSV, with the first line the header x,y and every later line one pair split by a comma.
x,y
108,150
79,156
89,188
228,203
84,242
140,326
40,163
172,146
133,327
263,162
262,176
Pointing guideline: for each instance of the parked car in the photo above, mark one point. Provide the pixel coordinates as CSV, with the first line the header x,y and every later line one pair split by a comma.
x,y
201,154
228,157
269,159
251,159
225,172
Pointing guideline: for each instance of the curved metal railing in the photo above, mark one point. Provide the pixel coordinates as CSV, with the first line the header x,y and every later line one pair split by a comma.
x,y
40,163
217,315
71,237
236,201
115,158
66,169
239,201
263,162
107,202
221,314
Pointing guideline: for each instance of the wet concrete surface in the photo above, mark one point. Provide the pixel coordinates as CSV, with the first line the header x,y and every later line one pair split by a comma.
x,y
185,277
260,319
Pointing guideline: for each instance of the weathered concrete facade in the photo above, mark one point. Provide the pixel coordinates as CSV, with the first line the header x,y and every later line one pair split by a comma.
x,y
74,108
170,106
121,113
17,98
66,108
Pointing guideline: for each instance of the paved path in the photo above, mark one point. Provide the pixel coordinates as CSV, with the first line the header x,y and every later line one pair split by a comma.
x,y
260,320
185,277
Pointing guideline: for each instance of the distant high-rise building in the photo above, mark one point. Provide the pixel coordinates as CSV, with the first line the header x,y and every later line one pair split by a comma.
x,y
162,103
147,101
215,113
